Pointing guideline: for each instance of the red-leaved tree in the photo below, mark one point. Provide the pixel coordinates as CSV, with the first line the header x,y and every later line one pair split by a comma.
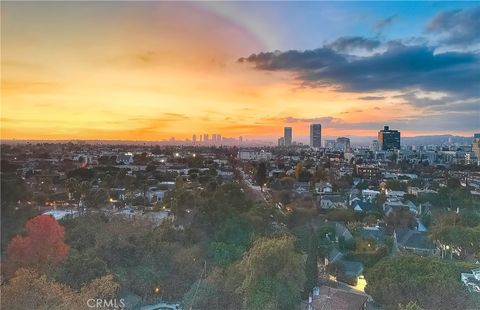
x,y
42,248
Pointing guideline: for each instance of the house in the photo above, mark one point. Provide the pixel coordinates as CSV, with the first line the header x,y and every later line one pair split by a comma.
x,y
394,205
323,187
394,194
377,233
332,201
333,256
154,194
361,205
408,240
125,158
254,155
328,298
62,214
342,231
369,194
301,187
390,206
471,280
350,271
367,171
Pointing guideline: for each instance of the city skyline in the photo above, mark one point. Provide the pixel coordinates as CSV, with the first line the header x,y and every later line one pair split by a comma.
x,y
151,71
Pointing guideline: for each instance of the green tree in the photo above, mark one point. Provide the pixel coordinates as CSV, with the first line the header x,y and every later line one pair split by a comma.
x,y
410,306
261,174
431,282
311,268
274,274
80,268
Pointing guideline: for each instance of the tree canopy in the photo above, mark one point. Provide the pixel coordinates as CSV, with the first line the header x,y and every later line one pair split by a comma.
x,y
429,281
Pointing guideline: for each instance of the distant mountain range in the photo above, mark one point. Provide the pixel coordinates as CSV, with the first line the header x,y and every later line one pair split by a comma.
x,y
417,140
355,140
437,139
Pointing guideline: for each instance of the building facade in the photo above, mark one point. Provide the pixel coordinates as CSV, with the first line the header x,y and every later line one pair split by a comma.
x,y
388,139
476,145
287,136
316,135
343,144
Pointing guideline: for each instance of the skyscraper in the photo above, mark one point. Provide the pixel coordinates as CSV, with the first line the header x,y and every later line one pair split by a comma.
x,y
194,138
476,145
287,135
205,137
315,135
281,141
343,144
389,139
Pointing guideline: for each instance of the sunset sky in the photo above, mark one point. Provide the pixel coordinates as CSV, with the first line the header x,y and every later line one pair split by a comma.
x,y
153,70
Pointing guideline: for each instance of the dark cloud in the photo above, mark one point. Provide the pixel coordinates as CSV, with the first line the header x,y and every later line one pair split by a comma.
x,y
456,27
346,44
381,24
323,120
372,98
399,68
295,60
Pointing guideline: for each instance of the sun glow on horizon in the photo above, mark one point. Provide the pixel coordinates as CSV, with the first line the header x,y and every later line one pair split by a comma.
x,y
152,71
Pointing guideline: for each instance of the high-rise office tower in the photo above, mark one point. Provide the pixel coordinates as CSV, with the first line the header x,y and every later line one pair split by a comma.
x,y
342,144
219,137
281,141
388,139
194,138
287,135
214,137
315,135
240,139
476,145
205,137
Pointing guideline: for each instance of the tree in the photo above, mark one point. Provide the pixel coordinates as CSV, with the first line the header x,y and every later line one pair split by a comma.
x,y
81,173
32,290
73,186
431,282
401,217
298,170
261,174
179,183
230,241
80,268
273,274
311,268
42,248
410,306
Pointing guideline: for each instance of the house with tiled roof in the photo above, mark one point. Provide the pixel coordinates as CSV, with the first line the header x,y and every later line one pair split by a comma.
x,y
414,241
328,298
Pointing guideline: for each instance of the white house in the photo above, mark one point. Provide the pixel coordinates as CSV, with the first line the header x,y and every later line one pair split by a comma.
x,y
471,280
370,194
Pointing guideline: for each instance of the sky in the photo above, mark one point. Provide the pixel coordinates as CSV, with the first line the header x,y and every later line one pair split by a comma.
x,y
156,70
